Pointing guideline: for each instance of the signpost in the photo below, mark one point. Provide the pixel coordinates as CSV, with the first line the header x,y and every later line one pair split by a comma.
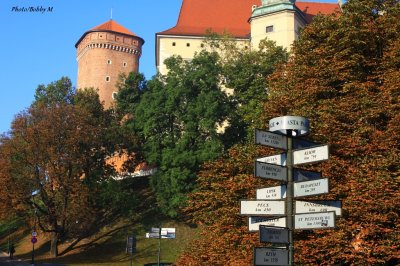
x,y
318,220
262,207
279,201
311,155
304,175
256,222
270,256
309,188
270,171
271,193
270,234
279,159
267,138
319,206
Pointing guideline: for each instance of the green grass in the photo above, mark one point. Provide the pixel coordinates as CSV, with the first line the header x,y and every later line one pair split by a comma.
x,y
107,246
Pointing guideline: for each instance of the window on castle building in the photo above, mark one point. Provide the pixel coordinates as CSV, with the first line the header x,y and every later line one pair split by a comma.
x,y
173,44
108,78
202,45
109,62
114,95
187,44
269,29
124,64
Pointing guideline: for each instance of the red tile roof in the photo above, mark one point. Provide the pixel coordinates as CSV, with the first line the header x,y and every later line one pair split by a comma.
x,y
196,16
111,25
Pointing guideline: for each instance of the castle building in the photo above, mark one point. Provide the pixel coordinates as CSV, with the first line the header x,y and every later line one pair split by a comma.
x,y
103,53
246,21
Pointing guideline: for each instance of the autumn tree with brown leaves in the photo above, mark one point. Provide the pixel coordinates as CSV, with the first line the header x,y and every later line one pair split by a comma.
x,y
53,159
344,75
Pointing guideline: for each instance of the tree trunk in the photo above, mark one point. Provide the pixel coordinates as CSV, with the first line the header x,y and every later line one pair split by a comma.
x,y
54,244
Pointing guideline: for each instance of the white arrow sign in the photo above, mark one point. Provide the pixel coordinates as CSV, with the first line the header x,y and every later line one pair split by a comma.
x,y
278,192
270,171
262,207
313,187
284,123
255,222
320,220
311,155
270,256
319,206
279,159
270,234
270,139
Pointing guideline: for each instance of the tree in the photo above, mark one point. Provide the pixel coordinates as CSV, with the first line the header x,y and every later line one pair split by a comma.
x,y
52,160
177,119
344,76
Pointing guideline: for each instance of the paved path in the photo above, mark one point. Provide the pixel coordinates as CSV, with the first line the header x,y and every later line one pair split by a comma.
x,y
5,261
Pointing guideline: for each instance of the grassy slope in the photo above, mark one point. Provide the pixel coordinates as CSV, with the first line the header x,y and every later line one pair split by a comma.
x,y
107,247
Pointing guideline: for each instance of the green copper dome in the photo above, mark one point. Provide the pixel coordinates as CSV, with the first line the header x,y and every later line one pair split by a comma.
x,y
271,6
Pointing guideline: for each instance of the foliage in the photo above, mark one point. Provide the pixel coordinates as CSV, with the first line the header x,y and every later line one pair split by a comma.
x,y
176,119
343,76
53,159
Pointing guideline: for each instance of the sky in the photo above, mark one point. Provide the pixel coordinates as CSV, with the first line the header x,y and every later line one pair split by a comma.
x,y
39,47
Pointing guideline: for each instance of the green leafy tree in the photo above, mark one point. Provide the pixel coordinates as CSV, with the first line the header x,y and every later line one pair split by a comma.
x,y
177,119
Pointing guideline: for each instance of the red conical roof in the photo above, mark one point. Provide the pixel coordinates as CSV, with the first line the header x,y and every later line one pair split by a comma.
x,y
111,25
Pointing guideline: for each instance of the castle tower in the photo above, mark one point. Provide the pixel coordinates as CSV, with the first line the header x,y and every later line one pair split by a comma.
x,y
279,20
103,53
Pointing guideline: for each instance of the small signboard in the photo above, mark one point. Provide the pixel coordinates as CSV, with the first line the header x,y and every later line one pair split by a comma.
x,y
255,222
319,206
270,139
309,188
33,239
131,244
278,235
262,207
305,175
318,220
271,193
163,233
302,144
279,159
282,124
270,256
270,171
311,155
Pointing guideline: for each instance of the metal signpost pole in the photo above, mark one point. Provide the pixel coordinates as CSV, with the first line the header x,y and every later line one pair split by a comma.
x,y
159,245
289,196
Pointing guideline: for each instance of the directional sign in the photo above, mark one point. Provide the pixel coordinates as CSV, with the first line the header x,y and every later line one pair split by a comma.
x,y
313,187
33,239
279,159
270,139
255,222
278,192
319,206
305,175
262,207
311,155
270,171
270,234
270,256
319,220
284,123
164,233
302,144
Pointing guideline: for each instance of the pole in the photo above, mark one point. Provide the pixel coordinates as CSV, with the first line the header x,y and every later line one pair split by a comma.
x,y
290,195
159,245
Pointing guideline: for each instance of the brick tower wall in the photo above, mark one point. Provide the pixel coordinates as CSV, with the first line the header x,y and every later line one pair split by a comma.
x,y
102,56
